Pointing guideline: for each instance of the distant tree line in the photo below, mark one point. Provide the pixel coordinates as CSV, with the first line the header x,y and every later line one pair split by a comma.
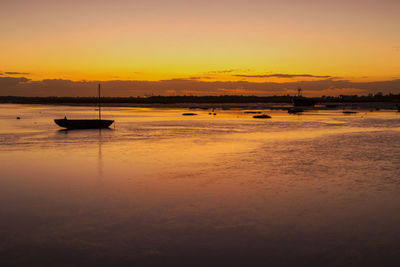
x,y
379,97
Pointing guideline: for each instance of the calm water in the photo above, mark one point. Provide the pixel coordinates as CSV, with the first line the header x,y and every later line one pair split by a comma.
x,y
162,189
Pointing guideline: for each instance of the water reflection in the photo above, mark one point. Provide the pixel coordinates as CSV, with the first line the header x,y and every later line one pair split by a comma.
x,y
100,162
95,134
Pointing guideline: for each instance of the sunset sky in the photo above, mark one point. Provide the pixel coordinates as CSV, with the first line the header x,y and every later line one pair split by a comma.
x,y
199,47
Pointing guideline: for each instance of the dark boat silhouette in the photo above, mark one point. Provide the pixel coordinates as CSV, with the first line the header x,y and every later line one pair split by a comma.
x,y
84,124
263,116
295,110
301,101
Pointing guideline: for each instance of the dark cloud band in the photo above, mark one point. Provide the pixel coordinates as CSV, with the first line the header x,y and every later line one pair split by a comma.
x,y
16,73
13,86
280,75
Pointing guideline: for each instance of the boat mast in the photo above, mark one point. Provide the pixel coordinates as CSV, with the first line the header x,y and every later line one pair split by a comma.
x,y
99,105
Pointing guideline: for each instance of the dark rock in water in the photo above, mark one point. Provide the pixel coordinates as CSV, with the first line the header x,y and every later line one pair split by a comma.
x,y
18,118
189,114
264,116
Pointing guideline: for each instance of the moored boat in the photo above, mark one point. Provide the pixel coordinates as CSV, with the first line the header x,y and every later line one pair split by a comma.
x,y
84,124
301,101
295,110
263,116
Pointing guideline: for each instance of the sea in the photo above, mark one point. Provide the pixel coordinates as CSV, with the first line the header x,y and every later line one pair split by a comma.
x,y
320,188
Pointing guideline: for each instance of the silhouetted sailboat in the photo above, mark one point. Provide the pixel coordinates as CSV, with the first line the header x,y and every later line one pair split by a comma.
x,y
84,124
300,101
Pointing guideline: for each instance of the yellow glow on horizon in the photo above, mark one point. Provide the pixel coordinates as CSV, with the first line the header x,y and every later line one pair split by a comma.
x,y
157,41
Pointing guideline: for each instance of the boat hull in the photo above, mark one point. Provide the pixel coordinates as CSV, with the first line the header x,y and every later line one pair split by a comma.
x,y
264,116
83,124
295,110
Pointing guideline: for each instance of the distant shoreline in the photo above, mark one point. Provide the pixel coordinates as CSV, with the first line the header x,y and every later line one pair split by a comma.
x,y
231,99
209,102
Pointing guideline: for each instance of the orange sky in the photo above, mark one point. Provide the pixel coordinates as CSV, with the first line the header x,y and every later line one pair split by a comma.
x,y
211,40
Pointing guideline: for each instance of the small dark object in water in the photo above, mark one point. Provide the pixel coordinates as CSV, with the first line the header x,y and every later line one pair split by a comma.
x,y
252,112
210,113
263,116
349,112
214,114
18,118
189,114
295,110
